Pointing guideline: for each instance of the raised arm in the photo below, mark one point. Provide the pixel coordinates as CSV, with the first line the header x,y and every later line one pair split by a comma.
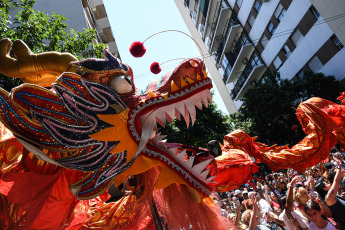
x,y
266,196
331,198
253,219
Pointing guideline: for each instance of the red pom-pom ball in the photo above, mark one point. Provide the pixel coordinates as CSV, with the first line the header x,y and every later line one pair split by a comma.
x,y
155,68
137,49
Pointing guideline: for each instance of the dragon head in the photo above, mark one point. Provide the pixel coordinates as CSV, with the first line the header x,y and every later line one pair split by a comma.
x,y
96,121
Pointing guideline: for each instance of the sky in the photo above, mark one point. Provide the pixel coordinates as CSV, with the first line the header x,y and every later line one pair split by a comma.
x,y
136,20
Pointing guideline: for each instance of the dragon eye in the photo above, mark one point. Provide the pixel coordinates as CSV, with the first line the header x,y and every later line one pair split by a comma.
x,y
121,84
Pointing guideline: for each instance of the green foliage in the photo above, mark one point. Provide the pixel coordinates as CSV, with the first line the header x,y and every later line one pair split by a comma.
x,y
43,32
210,124
239,121
271,104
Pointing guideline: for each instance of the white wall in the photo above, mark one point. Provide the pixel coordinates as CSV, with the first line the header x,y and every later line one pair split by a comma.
x,y
309,45
293,16
245,9
72,10
262,20
335,66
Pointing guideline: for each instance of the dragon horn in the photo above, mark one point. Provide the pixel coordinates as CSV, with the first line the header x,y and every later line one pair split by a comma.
x,y
41,69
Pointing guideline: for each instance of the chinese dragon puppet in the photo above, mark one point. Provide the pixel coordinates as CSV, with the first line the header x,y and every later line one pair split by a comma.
x,y
76,128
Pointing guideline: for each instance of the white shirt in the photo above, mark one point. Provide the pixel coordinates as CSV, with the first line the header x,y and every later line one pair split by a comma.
x,y
302,220
264,206
329,226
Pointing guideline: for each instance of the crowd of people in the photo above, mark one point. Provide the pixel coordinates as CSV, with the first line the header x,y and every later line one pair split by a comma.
x,y
290,200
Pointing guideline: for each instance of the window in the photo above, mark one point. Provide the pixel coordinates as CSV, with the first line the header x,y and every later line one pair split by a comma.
x,y
225,62
315,12
257,6
255,61
296,37
315,64
264,41
277,62
300,74
286,51
251,20
271,28
337,42
239,3
280,13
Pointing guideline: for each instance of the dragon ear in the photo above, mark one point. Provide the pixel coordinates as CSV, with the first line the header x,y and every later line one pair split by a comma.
x,y
137,49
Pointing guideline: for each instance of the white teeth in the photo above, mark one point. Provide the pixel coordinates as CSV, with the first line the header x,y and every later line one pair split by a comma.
x,y
209,96
186,116
180,157
177,115
146,131
202,176
170,113
158,138
197,169
210,180
191,109
197,102
180,108
172,151
161,119
204,98
189,163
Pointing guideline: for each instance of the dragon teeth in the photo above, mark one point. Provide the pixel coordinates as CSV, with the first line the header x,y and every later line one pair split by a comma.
x,y
197,169
172,151
202,176
191,109
180,157
209,96
189,163
186,116
197,102
204,98
158,138
210,180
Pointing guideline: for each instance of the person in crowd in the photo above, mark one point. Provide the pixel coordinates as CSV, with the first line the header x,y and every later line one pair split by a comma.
x,y
335,203
322,186
317,222
328,167
251,218
272,200
264,206
293,218
235,217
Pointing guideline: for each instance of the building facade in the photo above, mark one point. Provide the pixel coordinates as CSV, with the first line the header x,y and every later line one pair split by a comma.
x,y
244,38
81,15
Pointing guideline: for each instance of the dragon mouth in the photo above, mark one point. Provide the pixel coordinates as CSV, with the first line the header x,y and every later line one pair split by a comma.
x,y
144,119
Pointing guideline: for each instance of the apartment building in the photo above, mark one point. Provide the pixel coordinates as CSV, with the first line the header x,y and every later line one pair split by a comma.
x,y
244,38
83,14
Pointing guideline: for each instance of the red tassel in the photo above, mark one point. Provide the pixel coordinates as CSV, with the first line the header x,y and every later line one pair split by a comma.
x,y
137,49
155,68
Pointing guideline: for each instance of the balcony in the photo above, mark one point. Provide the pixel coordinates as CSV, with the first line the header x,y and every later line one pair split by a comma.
x,y
222,20
240,52
248,77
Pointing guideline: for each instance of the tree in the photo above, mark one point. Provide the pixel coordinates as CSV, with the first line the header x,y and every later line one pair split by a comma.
x,y
271,105
210,124
43,32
